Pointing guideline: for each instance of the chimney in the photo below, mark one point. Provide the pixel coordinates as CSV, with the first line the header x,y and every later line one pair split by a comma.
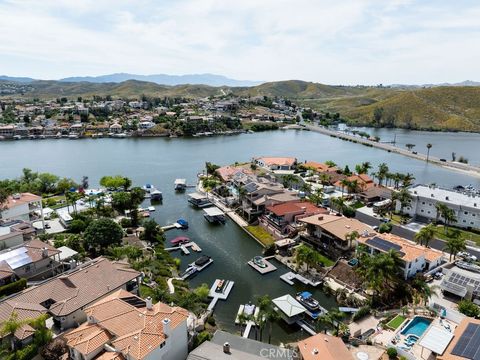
x,y
44,252
148,302
166,327
91,319
320,218
226,348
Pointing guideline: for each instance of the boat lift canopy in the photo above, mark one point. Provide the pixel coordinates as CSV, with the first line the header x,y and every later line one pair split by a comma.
x,y
213,211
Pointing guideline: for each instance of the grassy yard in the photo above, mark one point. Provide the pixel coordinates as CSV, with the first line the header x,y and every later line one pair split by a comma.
x,y
464,234
261,234
325,261
396,322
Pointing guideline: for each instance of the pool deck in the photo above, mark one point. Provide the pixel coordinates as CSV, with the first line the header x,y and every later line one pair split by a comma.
x,y
270,267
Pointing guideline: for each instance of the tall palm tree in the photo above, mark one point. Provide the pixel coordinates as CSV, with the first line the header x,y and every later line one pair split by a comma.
x,y
403,197
317,196
454,245
407,180
351,237
441,208
429,146
425,235
344,183
382,172
338,203
449,217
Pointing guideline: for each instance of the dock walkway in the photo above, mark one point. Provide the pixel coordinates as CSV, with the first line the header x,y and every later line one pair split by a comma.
x,y
290,276
171,227
219,295
193,245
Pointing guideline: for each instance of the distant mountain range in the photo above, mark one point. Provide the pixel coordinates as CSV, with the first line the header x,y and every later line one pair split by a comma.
x,y
463,83
161,79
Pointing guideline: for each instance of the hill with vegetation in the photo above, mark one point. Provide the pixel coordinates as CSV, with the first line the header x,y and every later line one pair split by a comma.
x,y
435,108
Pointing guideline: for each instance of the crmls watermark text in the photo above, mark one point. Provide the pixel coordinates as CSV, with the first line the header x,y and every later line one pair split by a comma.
x,y
277,353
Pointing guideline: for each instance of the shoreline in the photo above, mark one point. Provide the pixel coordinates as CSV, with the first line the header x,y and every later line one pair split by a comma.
x,y
464,168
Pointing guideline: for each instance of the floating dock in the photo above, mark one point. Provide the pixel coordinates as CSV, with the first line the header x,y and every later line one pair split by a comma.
x,y
305,327
270,267
290,276
172,226
193,245
223,295
194,269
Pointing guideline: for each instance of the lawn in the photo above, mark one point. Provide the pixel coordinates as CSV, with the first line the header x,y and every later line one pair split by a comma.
x,y
464,234
396,322
261,235
325,261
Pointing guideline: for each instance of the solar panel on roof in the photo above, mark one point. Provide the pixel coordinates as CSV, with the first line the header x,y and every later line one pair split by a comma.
x,y
469,343
384,245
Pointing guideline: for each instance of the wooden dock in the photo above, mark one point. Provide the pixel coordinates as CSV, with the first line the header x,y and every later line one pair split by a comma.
x,y
270,267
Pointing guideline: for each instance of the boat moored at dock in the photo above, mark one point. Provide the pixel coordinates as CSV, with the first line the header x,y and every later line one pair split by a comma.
x,y
180,184
214,215
199,200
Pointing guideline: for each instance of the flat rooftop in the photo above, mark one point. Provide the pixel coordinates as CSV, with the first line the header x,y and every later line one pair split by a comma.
x,y
446,196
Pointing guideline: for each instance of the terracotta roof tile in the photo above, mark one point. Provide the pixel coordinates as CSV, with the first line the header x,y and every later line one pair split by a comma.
x,y
323,347
87,338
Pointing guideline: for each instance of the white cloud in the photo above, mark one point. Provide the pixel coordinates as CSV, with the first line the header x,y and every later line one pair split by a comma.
x,y
350,41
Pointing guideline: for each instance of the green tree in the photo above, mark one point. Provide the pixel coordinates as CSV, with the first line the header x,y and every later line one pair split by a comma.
x,y
65,184
202,292
468,308
103,233
382,172
47,182
454,245
425,235
403,197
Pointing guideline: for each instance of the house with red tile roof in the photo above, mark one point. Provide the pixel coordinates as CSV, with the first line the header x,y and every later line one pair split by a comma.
x,y
226,173
320,167
282,219
363,182
133,328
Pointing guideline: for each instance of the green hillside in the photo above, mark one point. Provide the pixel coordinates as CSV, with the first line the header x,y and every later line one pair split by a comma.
x,y
439,108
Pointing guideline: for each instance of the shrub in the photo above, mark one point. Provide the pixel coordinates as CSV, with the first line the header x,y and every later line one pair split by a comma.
x,y
385,228
392,353
201,337
77,226
349,212
13,287
468,308
361,313
125,223
211,320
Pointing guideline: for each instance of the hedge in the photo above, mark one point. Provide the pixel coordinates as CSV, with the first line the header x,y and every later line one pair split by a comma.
x,y
13,287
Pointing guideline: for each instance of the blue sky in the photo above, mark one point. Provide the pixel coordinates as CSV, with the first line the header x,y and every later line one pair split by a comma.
x,y
332,42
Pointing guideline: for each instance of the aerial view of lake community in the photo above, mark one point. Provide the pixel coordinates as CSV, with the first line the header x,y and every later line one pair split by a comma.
x,y
197,216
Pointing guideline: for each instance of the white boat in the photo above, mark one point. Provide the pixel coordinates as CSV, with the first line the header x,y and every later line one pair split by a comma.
x,y
151,208
180,184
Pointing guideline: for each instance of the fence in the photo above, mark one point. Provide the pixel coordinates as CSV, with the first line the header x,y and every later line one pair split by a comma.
x,y
451,314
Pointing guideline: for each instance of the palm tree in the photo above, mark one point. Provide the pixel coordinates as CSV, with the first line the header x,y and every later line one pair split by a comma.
x,y
429,146
403,197
441,208
338,203
352,186
351,237
382,172
407,180
335,317
344,183
449,217
306,188
425,235
317,196
455,244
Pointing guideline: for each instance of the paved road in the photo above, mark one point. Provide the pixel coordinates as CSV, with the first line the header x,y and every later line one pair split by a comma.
x,y
408,234
390,148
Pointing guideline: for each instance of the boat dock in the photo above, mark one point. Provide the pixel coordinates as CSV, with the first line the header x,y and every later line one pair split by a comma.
x,y
194,269
290,276
172,226
270,267
305,327
222,295
184,247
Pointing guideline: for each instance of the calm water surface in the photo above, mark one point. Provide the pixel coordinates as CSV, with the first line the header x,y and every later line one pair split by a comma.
x,y
160,161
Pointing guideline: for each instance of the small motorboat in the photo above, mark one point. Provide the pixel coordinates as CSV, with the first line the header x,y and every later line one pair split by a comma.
x,y
179,240
220,285
305,298
183,223
203,260
258,260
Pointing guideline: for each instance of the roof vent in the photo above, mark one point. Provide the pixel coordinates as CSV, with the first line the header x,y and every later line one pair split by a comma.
x,y
315,350
431,195
320,218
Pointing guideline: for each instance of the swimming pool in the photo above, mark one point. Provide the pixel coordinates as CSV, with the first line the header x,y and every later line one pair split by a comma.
x,y
417,326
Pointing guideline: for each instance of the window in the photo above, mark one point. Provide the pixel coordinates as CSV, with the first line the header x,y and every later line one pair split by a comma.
x,y
423,202
466,212
422,210
464,221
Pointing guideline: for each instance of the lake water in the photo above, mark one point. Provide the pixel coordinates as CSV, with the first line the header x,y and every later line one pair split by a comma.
x,y
160,161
